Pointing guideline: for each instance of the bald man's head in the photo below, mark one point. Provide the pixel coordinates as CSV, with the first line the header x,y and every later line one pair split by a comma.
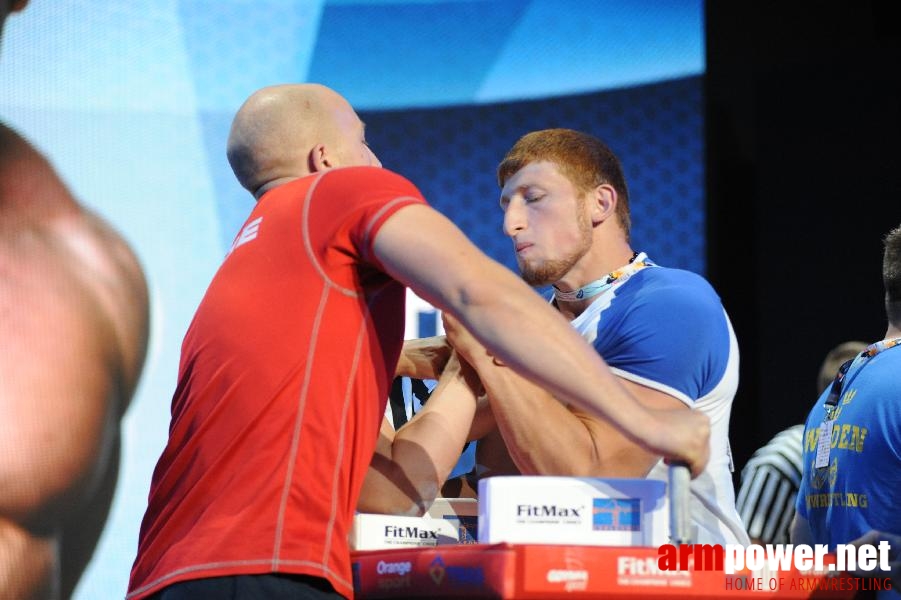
x,y
288,131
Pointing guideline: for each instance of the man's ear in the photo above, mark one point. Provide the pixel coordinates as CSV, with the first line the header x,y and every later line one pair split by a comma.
x,y
319,159
603,203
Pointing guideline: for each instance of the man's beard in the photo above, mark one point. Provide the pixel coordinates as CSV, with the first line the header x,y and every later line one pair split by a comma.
x,y
549,272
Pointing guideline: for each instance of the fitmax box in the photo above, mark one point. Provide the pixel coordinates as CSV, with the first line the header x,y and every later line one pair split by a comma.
x,y
573,510
380,532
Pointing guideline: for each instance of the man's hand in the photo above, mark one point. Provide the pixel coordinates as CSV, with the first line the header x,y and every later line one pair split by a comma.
x,y
458,367
685,438
463,341
423,358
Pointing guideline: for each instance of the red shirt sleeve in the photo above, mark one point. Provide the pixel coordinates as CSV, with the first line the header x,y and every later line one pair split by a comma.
x,y
350,205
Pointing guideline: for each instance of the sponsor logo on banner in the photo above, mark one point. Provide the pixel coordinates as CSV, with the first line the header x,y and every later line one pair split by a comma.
x,y
455,575
436,570
574,576
572,580
644,570
393,575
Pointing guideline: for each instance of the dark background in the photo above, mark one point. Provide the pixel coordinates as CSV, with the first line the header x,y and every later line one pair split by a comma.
x,y
802,166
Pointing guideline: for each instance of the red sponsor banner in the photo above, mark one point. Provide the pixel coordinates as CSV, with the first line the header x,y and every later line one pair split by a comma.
x,y
555,572
470,571
605,572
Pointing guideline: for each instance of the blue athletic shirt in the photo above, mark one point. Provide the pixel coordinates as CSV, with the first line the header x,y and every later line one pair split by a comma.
x,y
666,329
860,488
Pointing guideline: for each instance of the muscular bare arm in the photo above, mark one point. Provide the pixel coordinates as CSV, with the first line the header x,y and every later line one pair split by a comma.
x,y
517,326
546,437
410,465
425,358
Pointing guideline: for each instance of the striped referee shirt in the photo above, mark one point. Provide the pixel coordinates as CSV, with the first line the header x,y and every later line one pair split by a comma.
x,y
769,487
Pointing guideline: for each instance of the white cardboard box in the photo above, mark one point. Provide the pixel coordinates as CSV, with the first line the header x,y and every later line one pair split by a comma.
x,y
573,510
379,532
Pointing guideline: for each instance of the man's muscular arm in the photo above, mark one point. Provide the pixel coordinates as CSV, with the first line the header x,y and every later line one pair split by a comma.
x,y
545,437
410,465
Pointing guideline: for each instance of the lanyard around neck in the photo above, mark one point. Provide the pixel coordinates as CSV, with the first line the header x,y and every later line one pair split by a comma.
x,y
838,383
590,290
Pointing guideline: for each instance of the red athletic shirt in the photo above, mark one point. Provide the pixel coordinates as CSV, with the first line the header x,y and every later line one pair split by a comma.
x,y
282,384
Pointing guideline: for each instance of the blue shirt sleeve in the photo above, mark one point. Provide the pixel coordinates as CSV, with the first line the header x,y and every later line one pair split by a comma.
x,y
670,330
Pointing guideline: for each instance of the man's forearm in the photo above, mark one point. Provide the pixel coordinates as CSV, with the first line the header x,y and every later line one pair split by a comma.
x,y
535,426
406,474
423,358
441,428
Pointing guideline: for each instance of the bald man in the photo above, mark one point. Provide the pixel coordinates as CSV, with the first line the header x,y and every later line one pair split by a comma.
x,y
73,332
286,366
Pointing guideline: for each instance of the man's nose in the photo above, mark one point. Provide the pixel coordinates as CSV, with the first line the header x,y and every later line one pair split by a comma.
x,y
514,218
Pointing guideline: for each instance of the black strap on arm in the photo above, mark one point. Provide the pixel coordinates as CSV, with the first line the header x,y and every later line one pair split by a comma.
x,y
396,400
420,390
